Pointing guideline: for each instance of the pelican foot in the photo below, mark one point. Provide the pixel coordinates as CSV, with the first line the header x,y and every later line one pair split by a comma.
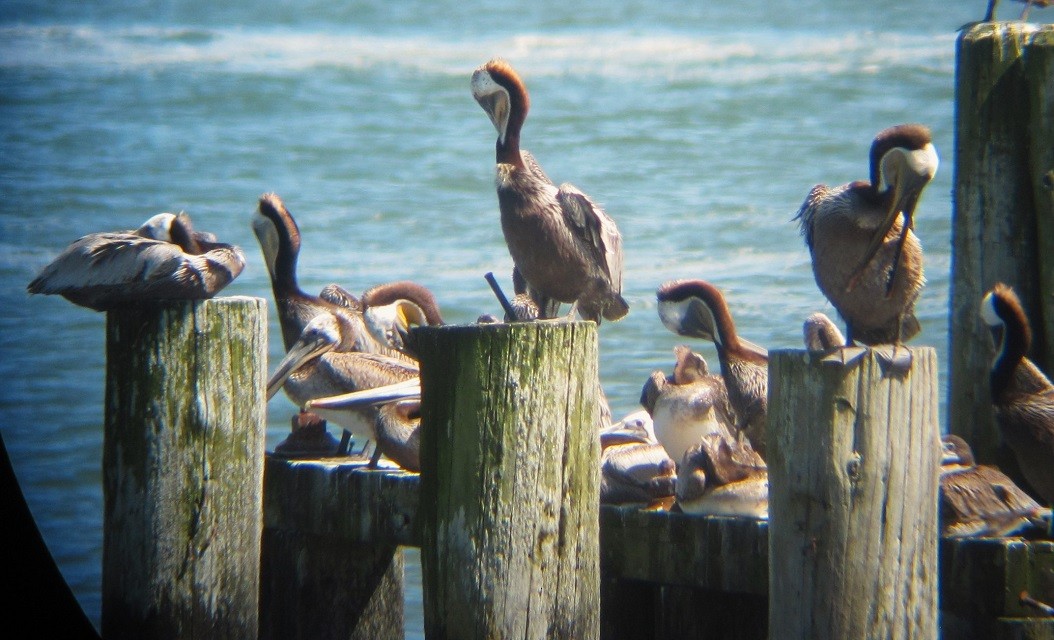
x,y
896,356
845,356
374,459
308,439
345,443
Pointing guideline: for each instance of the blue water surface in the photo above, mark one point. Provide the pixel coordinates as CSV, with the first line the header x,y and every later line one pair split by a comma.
x,y
699,126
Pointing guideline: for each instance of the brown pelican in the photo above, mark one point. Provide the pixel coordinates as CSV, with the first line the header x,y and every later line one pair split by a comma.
x,y
308,439
163,259
395,411
980,500
1022,395
279,239
687,405
721,476
989,15
634,467
390,309
563,245
821,335
865,256
319,365
697,309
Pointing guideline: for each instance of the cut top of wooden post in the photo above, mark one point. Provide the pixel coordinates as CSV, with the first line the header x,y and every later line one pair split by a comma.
x,y
853,476
510,480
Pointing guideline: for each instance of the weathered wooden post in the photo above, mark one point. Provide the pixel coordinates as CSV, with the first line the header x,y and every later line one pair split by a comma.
x,y
183,468
331,564
510,481
1004,209
853,473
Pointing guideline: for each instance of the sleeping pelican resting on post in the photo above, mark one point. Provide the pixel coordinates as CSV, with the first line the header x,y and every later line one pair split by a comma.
x,y
866,259
562,243
163,259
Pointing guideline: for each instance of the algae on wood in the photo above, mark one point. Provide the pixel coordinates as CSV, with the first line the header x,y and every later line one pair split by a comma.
x,y
183,469
510,480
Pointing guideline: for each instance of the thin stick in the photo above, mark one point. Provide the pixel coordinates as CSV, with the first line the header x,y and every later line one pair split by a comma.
x,y
500,295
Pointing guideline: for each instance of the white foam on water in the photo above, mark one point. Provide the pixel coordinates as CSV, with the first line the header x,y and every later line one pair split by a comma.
x,y
744,57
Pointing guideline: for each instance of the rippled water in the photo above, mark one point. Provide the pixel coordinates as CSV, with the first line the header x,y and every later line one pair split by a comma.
x,y
700,128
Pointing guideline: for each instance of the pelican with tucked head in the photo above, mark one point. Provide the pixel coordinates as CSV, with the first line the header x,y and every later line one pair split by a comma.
x,y
562,243
866,259
634,467
721,476
687,405
980,500
162,259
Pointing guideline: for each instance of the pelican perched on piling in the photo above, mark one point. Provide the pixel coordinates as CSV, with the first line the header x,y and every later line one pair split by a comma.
x,y
1022,395
866,259
562,243
980,500
687,405
697,309
634,467
163,259
320,365
722,476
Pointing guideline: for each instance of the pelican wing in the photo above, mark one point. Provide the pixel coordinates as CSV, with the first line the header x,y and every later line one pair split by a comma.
x,y
639,463
111,267
982,500
807,212
355,371
595,229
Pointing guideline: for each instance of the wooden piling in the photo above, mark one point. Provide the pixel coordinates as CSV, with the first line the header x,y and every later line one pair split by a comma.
x,y
1003,228
331,565
510,481
853,473
182,469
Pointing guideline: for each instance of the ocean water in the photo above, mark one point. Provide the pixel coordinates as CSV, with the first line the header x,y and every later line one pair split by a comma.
x,y
699,126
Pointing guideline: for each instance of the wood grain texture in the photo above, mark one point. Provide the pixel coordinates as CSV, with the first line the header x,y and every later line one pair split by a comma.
x,y
341,498
981,581
331,567
1003,223
318,587
853,476
712,552
510,480
183,469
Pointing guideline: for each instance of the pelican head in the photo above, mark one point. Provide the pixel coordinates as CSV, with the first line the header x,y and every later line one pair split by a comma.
x,y
391,309
955,451
276,231
320,335
821,334
1001,310
158,227
903,162
686,307
499,90
634,428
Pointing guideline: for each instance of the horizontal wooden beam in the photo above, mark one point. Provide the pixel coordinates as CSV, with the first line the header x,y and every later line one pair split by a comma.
x,y
713,552
343,501
341,498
